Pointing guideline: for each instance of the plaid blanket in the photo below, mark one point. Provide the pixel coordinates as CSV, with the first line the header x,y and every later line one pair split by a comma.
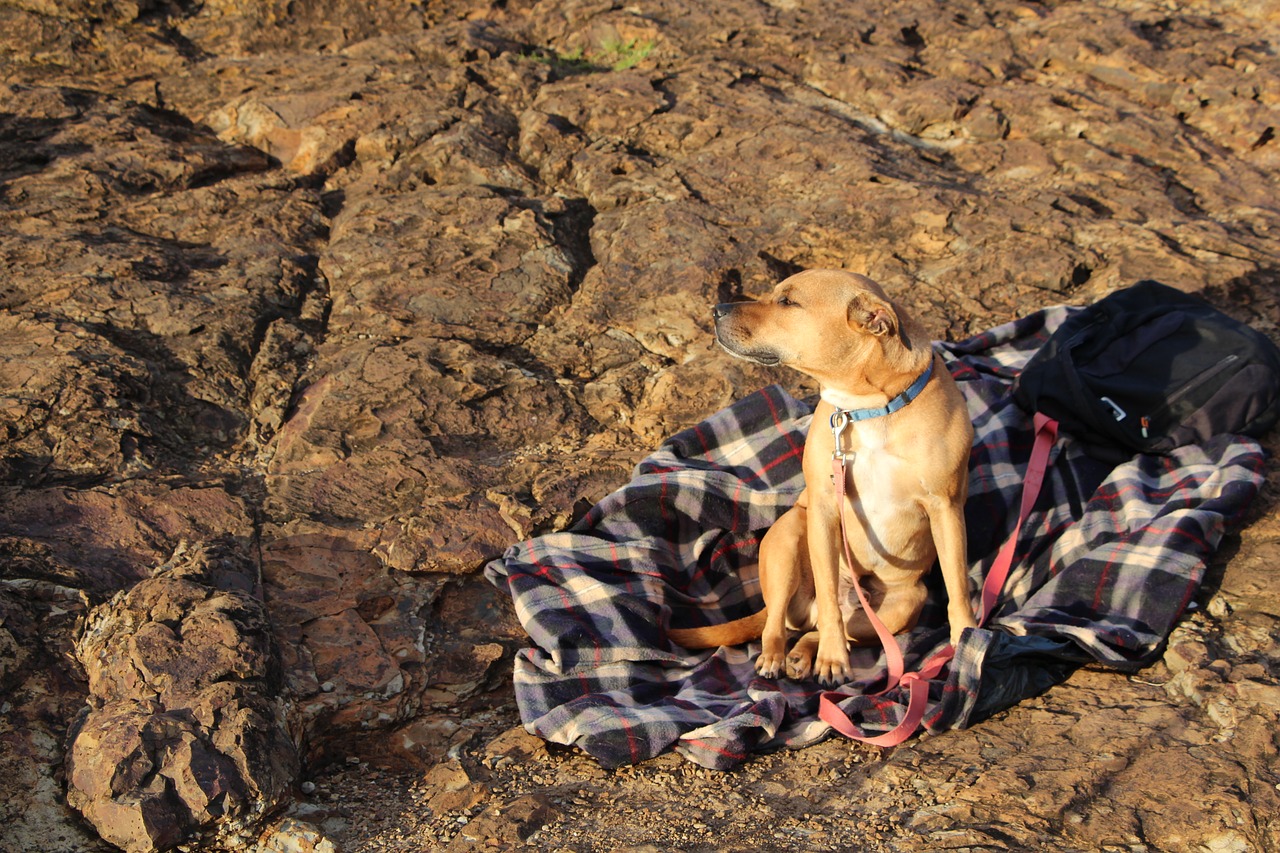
x,y
1105,564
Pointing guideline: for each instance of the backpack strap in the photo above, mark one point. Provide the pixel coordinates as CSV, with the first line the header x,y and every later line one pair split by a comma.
x,y
917,683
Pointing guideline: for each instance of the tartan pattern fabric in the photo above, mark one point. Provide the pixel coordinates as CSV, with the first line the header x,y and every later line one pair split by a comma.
x,y
1106,563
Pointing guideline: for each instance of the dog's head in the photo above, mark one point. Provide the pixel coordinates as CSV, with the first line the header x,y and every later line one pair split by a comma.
x,y
829,324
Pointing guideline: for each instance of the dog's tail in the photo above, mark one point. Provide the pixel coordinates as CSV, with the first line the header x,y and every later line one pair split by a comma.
x,y
725,634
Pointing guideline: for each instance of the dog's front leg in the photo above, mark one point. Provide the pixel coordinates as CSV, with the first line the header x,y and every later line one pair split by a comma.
x,y
946,522
831,664
781,570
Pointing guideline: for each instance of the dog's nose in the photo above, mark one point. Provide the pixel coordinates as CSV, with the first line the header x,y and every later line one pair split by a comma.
x,y
722,309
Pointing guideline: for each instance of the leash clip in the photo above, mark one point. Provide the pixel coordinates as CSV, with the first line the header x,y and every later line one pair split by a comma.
x,y
840,419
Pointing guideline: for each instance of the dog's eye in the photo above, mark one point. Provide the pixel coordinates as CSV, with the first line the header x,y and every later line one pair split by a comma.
x,y
786,301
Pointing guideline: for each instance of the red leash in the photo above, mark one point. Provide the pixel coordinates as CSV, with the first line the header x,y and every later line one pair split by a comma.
x,y
917,682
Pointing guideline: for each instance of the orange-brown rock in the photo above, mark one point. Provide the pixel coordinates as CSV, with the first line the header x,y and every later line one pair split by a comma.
x,y
307,310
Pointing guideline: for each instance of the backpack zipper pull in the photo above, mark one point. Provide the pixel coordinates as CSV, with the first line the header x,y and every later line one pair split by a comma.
x,y
1146,422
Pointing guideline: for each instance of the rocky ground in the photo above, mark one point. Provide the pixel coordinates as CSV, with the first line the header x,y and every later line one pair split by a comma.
x,y
308,310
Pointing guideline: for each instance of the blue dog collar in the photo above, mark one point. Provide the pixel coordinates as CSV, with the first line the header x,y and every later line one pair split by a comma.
x,y
845,416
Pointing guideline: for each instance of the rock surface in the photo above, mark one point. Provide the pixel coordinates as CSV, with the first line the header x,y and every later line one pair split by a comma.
x,y
184,730
309,310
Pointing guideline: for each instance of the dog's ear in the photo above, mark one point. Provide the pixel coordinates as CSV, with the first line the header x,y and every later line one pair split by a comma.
x,y
872,315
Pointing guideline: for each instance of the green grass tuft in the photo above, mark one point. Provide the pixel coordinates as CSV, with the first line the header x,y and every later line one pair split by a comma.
x,y
612,55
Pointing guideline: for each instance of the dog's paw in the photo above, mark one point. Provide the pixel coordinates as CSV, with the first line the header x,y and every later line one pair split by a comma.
x,y
832,669
799,664
800,658
769,665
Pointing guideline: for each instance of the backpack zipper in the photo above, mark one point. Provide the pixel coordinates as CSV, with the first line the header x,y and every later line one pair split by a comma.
x,y
1204,377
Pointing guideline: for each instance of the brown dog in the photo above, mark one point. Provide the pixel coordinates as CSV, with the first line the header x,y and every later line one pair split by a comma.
x,y
906,485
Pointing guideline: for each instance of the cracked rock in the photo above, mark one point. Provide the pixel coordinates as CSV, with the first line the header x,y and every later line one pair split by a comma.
x,y
185,732
352,295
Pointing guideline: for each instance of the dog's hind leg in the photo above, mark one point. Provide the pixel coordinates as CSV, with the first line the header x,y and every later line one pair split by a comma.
x,y
899,608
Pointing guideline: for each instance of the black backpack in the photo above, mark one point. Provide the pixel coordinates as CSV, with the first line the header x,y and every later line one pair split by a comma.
x,y
1150,368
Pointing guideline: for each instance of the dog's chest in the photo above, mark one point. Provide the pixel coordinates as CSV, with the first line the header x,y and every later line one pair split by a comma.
x,y
866,439
870,457
887,522
878,485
